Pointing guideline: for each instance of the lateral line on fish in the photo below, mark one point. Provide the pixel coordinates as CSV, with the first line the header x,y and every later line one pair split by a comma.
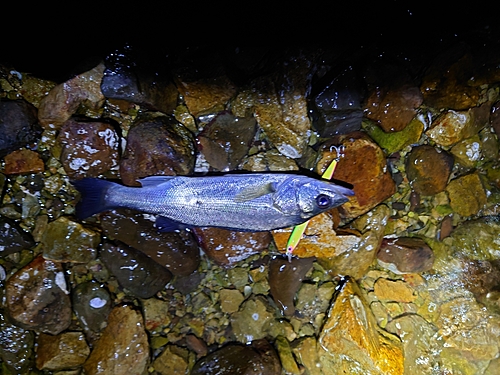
x,y
298,230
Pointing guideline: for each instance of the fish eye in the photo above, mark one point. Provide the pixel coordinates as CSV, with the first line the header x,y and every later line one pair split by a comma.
x,y
323,201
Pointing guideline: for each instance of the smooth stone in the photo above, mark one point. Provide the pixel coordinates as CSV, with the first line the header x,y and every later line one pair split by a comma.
x,y
157,145
405,255
226,139
177,252
123,348
68,241
428,169
62,351
91,304
285,279
23,161
88,148
227,247
467,194
363,166
64,99
252,320
257,358
351,342
18,125
37,297
393,97
135,271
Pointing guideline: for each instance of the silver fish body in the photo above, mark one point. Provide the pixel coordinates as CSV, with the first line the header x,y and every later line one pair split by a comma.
x,y
244,202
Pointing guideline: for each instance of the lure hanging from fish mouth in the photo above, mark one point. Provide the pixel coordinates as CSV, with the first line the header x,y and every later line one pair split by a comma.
x,y
298,230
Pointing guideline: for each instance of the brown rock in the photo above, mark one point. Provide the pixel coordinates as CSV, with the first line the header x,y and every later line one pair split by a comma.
x,y
123,348
173,360
285,279
23,161
88,148
467,194
364,166
157,146
393,99
226,247
37,298
405,255
397,291
351,342
428,169
64,99
177,252
60,352
495,118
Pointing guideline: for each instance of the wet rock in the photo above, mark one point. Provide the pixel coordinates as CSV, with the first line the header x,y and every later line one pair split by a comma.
x,y
351,342
123,347
286,357
196,345
355,261
467,194
177,252
91,304
495,118
205,95
68,241
280,107
395,141
468,152
88,148
339,105
313,301
129,77
428,169
253,319
63,351
397,291
156,314
418,343
157,146
188,283
16,346
18,125
230,300
453,126
226,139
405,255
446,82
134,270
12,237
269,161
393,98
258,358
320,240
64,99
364,167
37,297
477,239
481,278
285,279
173,360
306,352
23,161
227,248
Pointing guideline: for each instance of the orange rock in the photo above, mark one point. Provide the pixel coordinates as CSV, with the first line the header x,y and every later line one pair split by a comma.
x,y
398,291
351,341
364,166
23,161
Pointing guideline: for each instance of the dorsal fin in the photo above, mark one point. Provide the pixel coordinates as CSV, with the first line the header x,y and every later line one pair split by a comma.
x,y
255,191
154,180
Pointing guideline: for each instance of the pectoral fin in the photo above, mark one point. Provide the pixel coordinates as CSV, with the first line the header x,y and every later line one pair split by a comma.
x,y
256,191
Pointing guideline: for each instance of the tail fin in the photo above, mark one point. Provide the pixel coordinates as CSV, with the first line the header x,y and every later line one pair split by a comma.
x,y
93,196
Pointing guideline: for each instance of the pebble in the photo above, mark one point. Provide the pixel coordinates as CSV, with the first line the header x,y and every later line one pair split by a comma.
x,y
123,348
252,320
172,360
23,161
230,300
428,169
13,238
88,148
16,346
467,194
91,304
37,297
63,351
405,255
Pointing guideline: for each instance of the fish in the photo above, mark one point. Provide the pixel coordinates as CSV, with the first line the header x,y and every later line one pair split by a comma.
x,y
242,202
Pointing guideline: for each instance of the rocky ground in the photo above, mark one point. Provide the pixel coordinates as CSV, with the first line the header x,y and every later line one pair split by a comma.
x,y
402,279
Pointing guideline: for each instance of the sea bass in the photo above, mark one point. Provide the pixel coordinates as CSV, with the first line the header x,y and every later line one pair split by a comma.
x,y
242,202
